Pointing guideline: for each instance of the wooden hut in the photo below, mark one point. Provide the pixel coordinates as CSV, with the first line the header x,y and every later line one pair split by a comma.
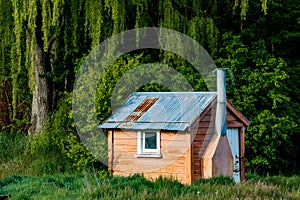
x,y
176,134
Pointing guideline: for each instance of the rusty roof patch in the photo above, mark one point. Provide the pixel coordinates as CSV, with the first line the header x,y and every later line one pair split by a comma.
x,y
141,109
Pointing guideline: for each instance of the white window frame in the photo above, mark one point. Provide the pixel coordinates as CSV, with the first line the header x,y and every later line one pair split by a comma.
x,y
141,150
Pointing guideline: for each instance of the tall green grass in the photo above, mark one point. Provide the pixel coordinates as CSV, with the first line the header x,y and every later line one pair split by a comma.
x,y
89,186
16,158
12,147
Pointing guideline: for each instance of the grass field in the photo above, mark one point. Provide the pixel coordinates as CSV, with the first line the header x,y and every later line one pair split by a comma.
x,y
44,177
136,187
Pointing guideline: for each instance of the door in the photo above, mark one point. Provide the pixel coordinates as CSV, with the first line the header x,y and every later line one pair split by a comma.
x,y
234,142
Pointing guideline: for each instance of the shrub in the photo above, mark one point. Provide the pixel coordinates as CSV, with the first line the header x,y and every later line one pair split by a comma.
x,y
253,177
59,143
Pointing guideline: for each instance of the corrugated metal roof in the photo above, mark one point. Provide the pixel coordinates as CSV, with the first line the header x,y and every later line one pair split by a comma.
x,y
159,110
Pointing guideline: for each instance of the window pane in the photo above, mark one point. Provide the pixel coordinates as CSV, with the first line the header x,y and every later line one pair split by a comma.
x,y
150,140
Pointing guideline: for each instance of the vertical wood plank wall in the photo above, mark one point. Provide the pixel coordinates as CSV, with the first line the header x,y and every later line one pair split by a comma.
x,y
242,152
175,161
110,149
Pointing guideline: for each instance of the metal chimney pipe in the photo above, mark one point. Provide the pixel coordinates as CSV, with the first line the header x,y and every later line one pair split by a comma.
x,y
221,102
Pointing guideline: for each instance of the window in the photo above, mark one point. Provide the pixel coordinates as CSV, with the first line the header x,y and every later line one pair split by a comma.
x,y
148,144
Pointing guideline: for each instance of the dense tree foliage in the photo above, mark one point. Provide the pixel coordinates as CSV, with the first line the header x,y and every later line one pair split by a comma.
x,y
44,42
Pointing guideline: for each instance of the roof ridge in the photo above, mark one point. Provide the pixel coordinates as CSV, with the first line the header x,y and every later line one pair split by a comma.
x,y
173,93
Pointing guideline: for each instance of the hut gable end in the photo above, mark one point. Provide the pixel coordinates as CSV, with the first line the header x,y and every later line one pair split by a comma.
x,y
203,129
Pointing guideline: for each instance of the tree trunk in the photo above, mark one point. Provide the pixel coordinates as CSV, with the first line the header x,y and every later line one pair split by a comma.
x,y
42,91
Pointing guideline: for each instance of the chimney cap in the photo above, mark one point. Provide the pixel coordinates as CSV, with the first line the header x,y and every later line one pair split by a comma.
x,y
219,68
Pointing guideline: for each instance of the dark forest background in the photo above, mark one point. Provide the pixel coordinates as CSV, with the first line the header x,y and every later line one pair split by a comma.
x,y
44,42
